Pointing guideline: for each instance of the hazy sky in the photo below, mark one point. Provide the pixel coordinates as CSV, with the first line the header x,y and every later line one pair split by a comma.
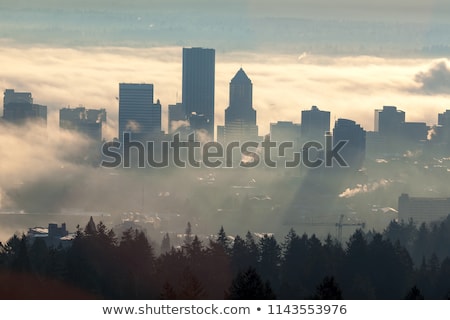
x,y
291,8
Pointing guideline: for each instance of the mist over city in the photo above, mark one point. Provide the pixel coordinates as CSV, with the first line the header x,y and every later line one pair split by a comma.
x,y
87,83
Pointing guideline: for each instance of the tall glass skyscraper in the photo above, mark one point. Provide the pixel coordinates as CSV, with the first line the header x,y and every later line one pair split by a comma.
x,y
198,88
137,112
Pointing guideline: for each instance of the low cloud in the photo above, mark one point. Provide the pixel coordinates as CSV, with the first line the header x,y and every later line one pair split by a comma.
x,y
436,80
349,87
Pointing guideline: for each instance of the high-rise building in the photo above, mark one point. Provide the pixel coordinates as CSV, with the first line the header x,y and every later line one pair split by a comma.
x,y
354,150
441,132
10,95
398,134
137,112
18,107
315,123
283,131
85,121
389,120
176,117
198,88
422,209
240,117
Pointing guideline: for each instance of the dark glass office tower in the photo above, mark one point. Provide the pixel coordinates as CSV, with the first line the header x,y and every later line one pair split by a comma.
x,y
137,112
198,88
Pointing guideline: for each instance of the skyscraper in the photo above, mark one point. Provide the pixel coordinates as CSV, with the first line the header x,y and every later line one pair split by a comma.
x,y
314,124
18,107
137,112
354,151
240,117
389,120
176,117
198,88
87,122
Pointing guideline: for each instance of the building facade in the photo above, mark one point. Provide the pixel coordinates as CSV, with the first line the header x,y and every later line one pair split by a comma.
x,y
138,115
198,88
240,117
422,209
88,122
354,151
18,107
315,123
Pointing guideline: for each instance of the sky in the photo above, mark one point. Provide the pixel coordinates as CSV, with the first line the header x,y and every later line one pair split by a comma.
x,y
343,8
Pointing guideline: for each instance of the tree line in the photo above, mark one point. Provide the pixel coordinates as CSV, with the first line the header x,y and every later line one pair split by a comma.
x,y
404,262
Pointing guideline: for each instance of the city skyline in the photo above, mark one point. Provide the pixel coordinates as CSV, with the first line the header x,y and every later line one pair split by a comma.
x,y
419,105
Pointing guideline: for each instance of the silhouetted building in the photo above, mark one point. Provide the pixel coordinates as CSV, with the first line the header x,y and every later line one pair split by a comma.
x,y
441,132
18,107
198,88
375,144
389,120
414,132
10,95
283,131
53,236
354,151
422,209
176,117
444,118
85,121
314,124
137,112
240,117
399,135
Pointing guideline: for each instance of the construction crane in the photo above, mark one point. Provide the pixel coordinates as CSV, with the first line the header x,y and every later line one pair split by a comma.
x,y
339,225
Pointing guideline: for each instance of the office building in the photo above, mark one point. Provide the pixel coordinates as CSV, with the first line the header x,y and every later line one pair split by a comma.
x,y
422,209
85,121
198,88
176,117
285,131
18,107
389,120
315,123
138,114
240,117
354,151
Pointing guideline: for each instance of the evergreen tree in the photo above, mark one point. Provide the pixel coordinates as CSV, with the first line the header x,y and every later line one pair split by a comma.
x,y
165,244
270,260
328,289
248,285
90,228
223,240
188,235
414,294
21,262
168,292
191,287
